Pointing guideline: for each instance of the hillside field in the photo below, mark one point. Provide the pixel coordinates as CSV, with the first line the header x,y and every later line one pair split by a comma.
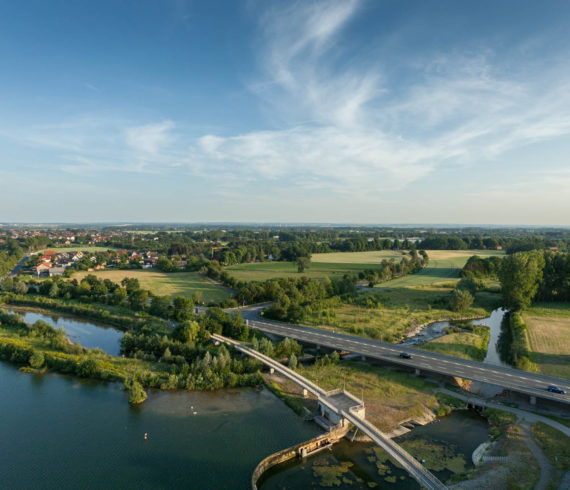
x,y
162,284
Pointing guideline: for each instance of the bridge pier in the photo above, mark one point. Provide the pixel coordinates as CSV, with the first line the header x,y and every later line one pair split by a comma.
x,y
417,372
271,370
363,358
305,393
318,347
533,400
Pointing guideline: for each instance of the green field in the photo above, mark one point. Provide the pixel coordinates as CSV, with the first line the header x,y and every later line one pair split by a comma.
x,y
78,248
162,284
548,327
390,396
443,266
466,345
392,311
262,271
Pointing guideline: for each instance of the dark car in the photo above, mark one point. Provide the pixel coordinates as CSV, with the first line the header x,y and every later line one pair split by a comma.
x,y
405,355
556,389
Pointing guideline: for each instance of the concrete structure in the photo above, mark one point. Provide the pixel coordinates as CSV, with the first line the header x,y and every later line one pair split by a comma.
x,y
346,409
531,384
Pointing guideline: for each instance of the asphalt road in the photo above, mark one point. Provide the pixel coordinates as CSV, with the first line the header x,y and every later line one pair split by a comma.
x,y
512,379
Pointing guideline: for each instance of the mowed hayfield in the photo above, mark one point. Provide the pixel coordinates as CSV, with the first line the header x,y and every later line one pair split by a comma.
x,y
262,271
162,284
79,248
549,336
443,266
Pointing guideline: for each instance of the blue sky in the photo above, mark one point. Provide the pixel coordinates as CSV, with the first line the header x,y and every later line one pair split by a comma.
x,y
340,111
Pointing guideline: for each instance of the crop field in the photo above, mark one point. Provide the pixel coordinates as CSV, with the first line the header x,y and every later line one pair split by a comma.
x,y
162,284
443,266
262,271
79,248
368,258
549,335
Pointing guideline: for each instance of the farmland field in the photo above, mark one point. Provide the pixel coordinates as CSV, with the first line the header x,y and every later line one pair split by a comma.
x,y
262,271
79,248
161,284
444,265
549,335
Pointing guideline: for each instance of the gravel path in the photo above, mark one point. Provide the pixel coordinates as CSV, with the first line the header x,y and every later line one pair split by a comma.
x,y
545,466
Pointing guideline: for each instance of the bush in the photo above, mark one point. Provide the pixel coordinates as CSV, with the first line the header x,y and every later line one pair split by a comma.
x,y
37,360
460,300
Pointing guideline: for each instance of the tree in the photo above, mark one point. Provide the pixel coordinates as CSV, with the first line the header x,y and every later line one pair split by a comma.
x,y
467,284
520,276
20,287
37,359
138,299
302,264
293,361
160,305
460,300
183,308
137,393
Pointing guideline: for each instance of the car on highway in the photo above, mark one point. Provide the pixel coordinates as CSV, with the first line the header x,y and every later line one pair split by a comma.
x,y
405,355
556,389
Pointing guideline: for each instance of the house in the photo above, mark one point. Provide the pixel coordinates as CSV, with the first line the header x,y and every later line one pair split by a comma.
x,y
499,247
56,271
41,268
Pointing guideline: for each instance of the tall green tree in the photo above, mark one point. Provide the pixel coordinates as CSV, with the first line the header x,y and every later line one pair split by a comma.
x,y
520,276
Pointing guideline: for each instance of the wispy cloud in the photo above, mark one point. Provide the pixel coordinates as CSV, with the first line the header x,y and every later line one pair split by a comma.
x,y
340,117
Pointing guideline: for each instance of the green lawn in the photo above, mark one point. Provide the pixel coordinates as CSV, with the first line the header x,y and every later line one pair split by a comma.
x,y
161,284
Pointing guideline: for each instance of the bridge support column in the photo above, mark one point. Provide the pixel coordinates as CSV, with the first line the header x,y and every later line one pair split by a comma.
x,y
318,347
271,370
305,393
247,322
533,400
417,372
363,358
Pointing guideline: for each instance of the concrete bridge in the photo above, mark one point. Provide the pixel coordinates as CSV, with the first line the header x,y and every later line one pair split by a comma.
x,y
345,408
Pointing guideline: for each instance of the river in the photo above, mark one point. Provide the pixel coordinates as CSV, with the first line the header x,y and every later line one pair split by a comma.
x,y
63,432
86,332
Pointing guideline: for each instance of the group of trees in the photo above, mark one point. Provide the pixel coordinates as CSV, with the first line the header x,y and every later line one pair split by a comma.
x,y
10,254
390,269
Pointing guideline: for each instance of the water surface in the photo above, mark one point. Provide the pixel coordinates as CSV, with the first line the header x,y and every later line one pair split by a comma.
x,y
62,432
88,333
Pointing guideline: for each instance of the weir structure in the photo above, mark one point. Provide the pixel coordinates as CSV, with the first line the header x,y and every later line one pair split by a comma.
x,y
346,408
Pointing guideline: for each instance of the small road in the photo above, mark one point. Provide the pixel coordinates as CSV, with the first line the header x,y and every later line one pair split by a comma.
x,y
424,477
18,266
545,466
534,385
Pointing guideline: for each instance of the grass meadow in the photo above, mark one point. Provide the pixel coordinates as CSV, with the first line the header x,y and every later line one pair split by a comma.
x,y
444,266
548,326
162,284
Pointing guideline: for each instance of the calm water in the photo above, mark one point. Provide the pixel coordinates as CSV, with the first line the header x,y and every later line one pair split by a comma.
x,y
494,324
62,432
437,329
454,437
89,334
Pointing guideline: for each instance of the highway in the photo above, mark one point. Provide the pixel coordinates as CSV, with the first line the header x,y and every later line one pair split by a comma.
x,y
512,379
